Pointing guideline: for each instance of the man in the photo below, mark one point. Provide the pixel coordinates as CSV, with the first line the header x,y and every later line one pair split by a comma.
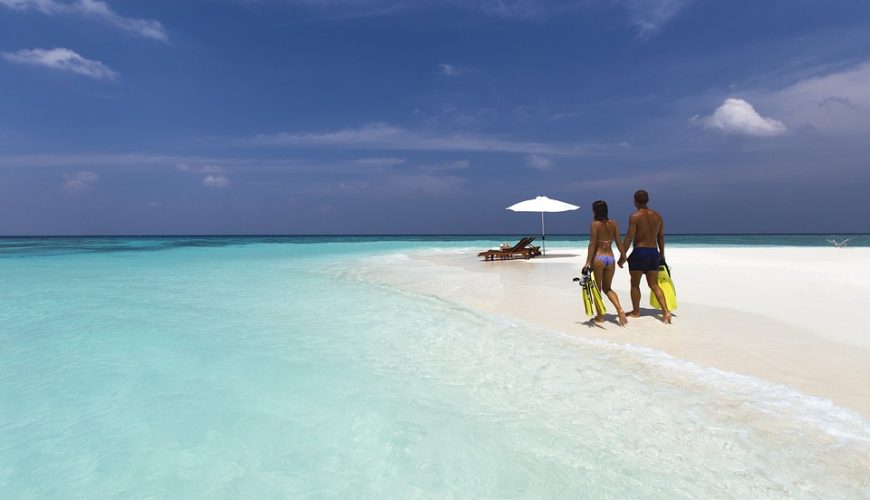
x,y
646,230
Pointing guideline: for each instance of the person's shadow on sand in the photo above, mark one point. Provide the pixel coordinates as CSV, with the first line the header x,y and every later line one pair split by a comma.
x,y
650,312
614,319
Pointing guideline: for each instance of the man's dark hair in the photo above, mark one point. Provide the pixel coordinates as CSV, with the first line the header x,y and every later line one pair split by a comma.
x,y
599,209
641,197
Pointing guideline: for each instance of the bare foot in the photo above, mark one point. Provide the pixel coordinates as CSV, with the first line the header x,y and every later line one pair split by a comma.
x,y
622,319
634,314
666,318
599,319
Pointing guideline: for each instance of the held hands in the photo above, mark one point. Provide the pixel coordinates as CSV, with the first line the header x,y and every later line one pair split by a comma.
x,y
621,261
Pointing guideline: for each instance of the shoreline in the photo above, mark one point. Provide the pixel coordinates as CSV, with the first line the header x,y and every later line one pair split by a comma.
x,y
768,330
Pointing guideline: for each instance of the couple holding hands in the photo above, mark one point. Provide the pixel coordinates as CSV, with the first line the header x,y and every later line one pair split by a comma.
x,y
646,231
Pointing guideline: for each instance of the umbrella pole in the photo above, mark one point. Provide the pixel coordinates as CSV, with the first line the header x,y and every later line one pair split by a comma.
x,y
543,234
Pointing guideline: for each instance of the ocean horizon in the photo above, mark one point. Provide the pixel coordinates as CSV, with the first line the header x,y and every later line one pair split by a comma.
x,y
10,243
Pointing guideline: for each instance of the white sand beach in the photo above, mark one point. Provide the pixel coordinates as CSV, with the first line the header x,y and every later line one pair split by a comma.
x,y
789,315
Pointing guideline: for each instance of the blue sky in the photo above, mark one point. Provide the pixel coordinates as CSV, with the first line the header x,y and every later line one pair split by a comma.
x,y
392,116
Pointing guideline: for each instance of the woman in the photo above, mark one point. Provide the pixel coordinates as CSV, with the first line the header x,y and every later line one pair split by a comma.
x,y
599,256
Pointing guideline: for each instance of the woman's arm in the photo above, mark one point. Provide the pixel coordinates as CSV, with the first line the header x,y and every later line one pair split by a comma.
x,y
618,240
593,242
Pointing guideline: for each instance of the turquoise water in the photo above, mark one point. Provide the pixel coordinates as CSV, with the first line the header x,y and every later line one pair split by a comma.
x,y
266,368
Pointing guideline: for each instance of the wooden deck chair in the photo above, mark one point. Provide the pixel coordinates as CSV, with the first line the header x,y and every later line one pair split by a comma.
x,y
521,249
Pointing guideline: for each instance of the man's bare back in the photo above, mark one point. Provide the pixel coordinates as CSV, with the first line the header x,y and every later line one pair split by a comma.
x,y
647,228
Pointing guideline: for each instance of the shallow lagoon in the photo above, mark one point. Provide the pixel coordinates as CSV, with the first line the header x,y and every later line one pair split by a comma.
x,y
239,367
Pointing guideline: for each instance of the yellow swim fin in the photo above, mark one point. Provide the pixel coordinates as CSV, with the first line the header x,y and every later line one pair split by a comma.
x,y
586,292
587,300
667,287
596,295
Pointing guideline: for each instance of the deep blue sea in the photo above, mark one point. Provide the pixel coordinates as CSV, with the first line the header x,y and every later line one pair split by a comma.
x,y
263,367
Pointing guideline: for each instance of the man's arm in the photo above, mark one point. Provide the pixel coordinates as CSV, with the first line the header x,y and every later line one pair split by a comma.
x,y
660,238
629,238
618,239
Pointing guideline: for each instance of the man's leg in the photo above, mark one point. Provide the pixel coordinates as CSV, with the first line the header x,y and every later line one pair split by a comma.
x,y
652,279
635,293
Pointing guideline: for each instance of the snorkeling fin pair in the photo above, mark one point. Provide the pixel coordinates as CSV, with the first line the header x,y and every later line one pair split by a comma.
x,y
590,294
667,286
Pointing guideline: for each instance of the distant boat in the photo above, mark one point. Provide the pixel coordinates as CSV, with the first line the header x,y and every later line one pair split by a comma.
x,y
841,243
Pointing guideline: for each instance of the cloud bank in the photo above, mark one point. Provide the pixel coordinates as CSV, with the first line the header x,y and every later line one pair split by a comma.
x,y
835,103
63,60
648,16
381,136
737,116
93,9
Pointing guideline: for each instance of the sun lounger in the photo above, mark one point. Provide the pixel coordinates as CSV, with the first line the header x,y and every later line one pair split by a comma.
x,y
521,249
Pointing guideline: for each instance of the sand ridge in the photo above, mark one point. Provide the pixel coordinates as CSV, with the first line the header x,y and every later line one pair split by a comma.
x,y
786,315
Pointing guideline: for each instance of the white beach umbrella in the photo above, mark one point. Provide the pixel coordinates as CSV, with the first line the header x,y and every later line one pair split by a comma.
x,y
542,204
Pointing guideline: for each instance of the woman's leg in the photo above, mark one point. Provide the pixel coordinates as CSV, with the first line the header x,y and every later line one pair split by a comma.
x,y
609,271
598,269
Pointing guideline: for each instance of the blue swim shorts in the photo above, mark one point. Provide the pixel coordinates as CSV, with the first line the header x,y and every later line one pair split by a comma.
x,y
644,259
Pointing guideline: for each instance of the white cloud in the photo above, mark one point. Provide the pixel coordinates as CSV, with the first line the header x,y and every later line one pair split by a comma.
x,y
214,174
649,16
564,116
91,159
513,9
44,6
79,181
737,116
448,69
93,9
449,165
62,59
147,28
539,162
379,162
381,136
200,169
215,181
196,164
